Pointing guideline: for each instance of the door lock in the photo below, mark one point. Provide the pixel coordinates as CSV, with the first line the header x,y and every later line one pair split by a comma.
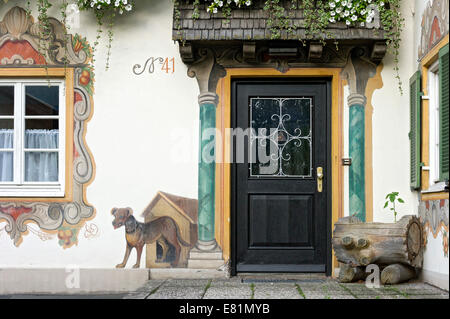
x,y
319,179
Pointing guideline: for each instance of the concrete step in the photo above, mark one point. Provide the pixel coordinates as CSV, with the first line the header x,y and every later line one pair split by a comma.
x,y
205,263
205,256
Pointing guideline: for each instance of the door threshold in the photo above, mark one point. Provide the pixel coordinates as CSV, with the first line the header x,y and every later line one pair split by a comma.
x,y
281,277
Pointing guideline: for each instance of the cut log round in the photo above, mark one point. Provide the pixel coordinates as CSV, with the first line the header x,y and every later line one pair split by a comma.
x,y
397,273
360,244
351,274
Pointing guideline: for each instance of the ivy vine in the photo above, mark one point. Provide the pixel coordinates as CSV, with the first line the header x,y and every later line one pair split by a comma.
x,y
318,17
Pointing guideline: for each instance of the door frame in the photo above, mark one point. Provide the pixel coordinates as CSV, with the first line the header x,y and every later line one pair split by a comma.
x,y
223,209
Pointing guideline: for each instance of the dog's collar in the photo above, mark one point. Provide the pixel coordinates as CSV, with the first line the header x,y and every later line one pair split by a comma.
x,y
130,220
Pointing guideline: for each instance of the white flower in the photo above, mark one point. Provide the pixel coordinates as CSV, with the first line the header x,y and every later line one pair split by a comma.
x,y
333,13
381,3
344,3
332,20
248,3
332,5
215,10
354,18
369,19
362,24
346,13
347,22
338,10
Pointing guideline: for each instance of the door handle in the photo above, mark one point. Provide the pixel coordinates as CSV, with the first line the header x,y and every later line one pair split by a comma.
x,y
319,179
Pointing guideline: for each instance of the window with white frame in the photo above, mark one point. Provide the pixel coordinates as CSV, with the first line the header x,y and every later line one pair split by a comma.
x,y
32,138
433,95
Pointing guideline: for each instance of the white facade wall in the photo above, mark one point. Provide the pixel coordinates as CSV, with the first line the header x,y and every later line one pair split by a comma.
x,y
138,119
131,136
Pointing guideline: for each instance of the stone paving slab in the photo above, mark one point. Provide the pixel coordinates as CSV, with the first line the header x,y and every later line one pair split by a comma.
x,y
237,288
275,291
225,289
418,289
176,292
326,290
145,290
181,289
187,283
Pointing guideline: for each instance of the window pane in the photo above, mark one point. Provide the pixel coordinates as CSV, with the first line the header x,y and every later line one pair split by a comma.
x,y
41,166
42,100
6,166
6,100
6,134
41,134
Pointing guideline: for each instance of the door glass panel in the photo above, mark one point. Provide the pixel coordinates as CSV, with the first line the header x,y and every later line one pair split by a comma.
x,y
281,137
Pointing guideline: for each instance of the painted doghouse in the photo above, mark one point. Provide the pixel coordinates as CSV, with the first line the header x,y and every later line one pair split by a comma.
x,y
184,212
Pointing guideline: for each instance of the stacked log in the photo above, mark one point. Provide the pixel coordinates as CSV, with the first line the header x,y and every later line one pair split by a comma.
x,y
357,244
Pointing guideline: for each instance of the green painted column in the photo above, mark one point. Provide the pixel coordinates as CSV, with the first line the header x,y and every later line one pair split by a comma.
x,y
206,171
357,185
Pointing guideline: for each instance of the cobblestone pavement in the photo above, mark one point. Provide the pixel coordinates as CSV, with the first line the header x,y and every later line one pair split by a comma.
x,y
239,288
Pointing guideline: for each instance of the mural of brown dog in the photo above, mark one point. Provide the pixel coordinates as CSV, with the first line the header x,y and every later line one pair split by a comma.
x,y
138,234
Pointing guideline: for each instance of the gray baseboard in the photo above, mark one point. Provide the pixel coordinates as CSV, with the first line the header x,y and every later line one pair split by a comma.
x,y
69,281
436,279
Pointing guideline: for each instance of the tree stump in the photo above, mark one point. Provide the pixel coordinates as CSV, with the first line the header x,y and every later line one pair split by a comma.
x,y
359,244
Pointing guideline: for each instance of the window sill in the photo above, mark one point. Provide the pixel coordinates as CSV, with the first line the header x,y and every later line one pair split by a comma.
x,y
29,192
436,188
434,192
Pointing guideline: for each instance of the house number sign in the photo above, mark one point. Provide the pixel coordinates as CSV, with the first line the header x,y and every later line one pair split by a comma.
x,y
156,64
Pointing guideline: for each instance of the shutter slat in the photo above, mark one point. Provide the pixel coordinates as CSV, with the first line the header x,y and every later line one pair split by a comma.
x,y
415,133
443,113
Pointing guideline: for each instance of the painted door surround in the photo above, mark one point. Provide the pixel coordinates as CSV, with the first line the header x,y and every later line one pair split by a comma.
x,y
214,71
223,123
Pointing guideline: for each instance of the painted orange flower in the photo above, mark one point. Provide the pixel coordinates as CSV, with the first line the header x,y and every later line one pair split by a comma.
x,y
445,242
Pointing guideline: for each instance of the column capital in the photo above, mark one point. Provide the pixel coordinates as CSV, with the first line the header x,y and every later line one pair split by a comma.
x,y
356,99
206,70
208,98
358,70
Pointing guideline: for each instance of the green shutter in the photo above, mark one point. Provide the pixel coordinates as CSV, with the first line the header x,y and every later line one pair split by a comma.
x,y
414,133
443,113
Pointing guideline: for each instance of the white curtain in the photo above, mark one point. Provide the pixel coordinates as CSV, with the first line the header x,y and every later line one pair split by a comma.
x,y
6,158
39,166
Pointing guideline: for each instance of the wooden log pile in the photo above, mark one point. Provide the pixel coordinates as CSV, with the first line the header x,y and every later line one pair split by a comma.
x,y
395,247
